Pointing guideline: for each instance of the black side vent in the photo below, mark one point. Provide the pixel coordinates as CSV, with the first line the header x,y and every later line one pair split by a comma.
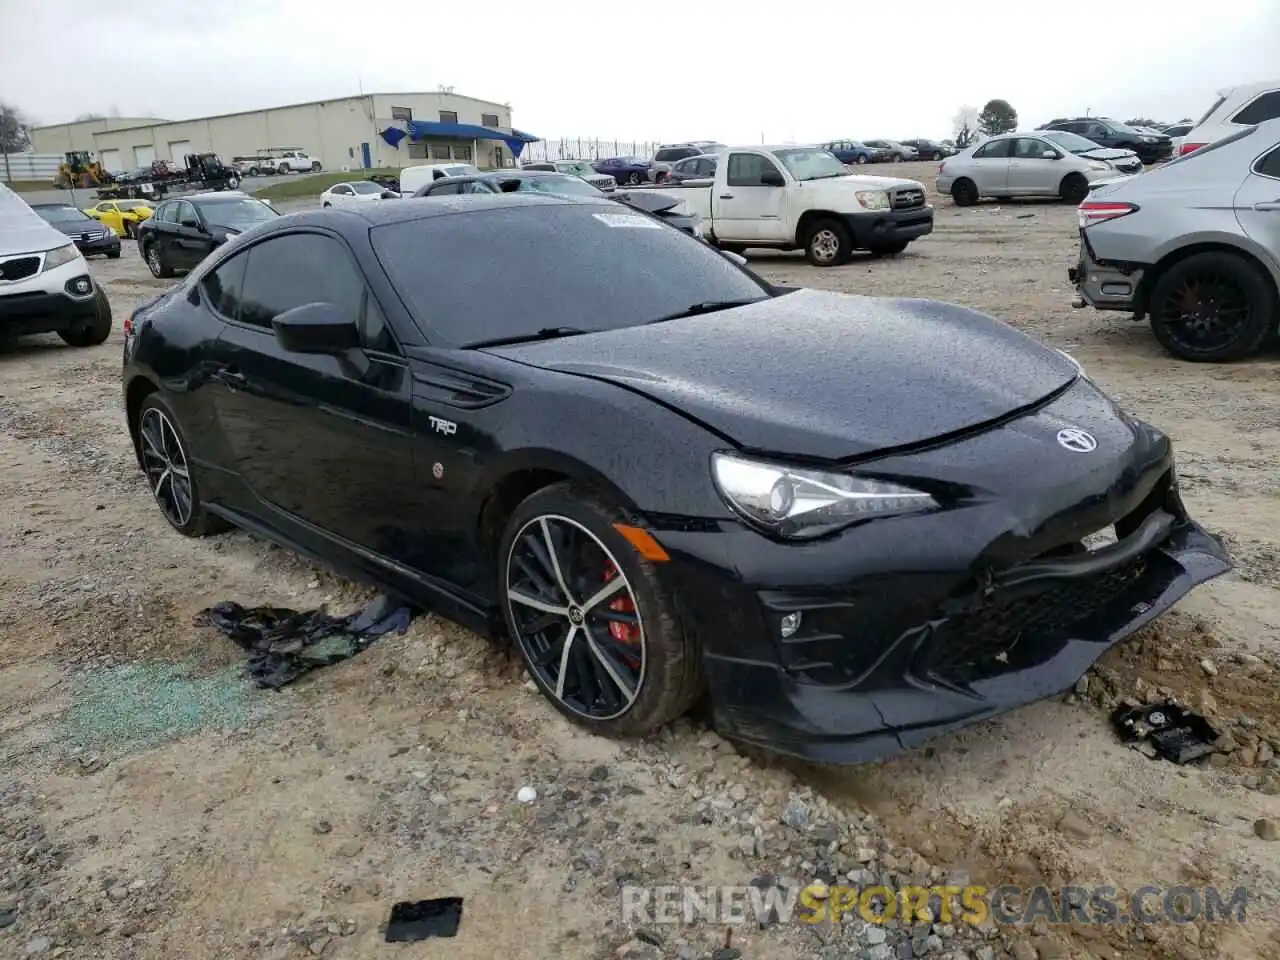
x,y
458,389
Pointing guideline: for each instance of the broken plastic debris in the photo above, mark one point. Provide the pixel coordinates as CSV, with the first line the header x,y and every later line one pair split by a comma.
x,y
1178,734
420,919
284,644
526,795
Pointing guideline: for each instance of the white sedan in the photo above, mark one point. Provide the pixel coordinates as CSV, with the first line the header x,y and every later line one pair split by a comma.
x,y
355,193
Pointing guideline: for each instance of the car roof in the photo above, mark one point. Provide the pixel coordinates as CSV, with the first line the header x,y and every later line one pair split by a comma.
x,y
53,203
423,208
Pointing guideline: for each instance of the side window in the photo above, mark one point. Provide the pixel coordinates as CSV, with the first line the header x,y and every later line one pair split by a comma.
x,y
1265,107
222,286
748,169
996,150
474,186
1028,149
168,213
185,211
105,207
1269,166
300,268
446,190
1096,131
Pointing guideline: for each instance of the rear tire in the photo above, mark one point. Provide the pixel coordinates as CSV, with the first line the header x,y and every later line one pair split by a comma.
x,y
860,159
156,262
827,244
937,155
162,446
964,192
1227,282
1074,188
315,167
90,333
669,679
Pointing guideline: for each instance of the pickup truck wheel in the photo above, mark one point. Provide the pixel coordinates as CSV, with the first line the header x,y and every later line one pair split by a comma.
x,y
315,167
937,155
860,159
964,192
1074,188
283,168
828,244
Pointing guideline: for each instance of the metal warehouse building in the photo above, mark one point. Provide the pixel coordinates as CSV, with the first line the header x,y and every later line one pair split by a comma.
x,y
366,131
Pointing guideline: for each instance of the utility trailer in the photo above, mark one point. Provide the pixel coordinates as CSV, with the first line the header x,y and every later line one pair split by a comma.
x,y
202,171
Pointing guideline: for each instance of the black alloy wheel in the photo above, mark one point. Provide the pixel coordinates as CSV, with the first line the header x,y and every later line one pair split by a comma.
x,y
155,261
964,192
1074,188
162,452
594,626
1213,308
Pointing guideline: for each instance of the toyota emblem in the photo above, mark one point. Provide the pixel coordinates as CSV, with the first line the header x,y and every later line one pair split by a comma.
x,y
1077,441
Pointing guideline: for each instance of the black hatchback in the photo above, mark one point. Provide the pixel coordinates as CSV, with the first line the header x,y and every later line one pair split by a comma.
x,y
185,230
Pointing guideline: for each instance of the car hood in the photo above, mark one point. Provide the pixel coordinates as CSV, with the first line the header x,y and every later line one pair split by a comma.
x,y
79,228
821,375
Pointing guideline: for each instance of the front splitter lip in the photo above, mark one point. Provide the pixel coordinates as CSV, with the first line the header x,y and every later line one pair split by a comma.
x,y
841,726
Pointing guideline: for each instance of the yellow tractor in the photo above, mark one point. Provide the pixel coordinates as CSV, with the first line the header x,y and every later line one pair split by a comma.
x,y
80,168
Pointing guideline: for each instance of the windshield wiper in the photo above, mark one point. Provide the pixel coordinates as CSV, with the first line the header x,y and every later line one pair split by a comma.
x,y
707,306
546,333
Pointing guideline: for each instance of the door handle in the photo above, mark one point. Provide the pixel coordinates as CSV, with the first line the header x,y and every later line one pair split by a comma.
x,y
726,196
231,377
1272,207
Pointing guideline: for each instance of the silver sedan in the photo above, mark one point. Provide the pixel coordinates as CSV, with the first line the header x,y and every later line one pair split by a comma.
x,y
1019,165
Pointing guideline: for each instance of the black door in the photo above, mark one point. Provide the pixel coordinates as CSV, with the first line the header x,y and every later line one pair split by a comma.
x,y
323,441
189,239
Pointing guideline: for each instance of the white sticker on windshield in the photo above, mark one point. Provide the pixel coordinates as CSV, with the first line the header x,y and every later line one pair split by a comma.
x,y
626,220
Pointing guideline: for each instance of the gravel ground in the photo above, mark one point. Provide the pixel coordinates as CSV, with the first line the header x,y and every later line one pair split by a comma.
x,y
154,806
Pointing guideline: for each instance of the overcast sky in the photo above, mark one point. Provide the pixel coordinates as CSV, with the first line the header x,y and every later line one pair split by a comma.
x,y
787,70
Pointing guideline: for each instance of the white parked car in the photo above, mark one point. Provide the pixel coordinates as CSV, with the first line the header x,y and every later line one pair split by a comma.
x,y
355,193
1021,165
1236,107
412,178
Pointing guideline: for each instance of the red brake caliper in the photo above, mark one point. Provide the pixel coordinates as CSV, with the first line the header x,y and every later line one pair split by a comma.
x,y
626,633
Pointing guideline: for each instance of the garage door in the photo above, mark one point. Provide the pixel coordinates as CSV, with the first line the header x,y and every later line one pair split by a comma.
x,y
144,156
179,149
111,161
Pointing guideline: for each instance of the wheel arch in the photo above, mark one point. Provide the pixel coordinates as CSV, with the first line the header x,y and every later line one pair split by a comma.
x,y
808,219
138,389
1167,260
522,474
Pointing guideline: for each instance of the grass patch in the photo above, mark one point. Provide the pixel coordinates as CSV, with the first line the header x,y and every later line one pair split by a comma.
x,y
28,186
292,186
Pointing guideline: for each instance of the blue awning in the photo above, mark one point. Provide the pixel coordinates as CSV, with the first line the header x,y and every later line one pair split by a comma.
x,y
516,139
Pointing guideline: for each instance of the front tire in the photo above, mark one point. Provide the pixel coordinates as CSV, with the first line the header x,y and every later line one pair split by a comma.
x,y
827,244
1074,188
156,262
937,155
163,453
1213,308
90,333
860,159
315,167
964,192
612,655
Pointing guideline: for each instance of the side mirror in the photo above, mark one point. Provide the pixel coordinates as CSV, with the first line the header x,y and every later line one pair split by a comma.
x,y
772,178
389,195
191,224
316,328
1051,155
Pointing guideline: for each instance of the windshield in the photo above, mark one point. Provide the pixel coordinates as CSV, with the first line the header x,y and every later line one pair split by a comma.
x,y
461,170
62,214
238,214
1072,142
1117,127
367,186
811,163
593,266
579,168
555,183
130,204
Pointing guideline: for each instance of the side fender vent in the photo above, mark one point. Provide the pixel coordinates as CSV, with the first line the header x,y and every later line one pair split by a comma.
x,y
458,389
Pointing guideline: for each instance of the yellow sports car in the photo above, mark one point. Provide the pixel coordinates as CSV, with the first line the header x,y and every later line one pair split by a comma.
x,y
122,216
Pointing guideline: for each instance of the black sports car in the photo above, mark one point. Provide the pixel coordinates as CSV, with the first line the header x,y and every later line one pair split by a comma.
x,y
854,522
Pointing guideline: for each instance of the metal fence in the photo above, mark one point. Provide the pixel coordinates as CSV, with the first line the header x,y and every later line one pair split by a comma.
x,y
29,166
584,148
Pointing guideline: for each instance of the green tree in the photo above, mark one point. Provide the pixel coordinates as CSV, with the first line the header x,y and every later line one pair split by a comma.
x,y
997,117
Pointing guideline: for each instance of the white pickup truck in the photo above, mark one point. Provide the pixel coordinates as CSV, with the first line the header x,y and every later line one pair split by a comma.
x,y
803,198
291,161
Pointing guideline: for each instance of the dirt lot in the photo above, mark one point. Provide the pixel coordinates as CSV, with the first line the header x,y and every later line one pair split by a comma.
x,y
153,805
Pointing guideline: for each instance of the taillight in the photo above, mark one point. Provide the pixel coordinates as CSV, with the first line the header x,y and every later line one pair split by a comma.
x,y
1100,211
942,166
1190,148
128,326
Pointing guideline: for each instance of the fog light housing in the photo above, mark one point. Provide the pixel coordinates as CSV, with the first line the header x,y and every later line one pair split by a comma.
x,y
789,624
80,287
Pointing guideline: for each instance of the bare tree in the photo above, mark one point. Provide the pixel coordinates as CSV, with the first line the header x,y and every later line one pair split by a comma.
x,y
964,123
15,134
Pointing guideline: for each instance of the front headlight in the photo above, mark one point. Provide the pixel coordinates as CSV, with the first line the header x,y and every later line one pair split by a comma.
x,y
59,256
801,503
1099,166
873,199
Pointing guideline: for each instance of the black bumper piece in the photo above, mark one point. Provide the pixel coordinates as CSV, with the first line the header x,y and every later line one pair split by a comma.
x,y
110,244
874,229
24,314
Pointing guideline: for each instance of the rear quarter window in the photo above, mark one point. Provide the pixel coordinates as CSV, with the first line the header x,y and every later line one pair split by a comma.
x,y
1260,110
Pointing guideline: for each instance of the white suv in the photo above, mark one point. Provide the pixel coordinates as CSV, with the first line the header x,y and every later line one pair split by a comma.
x,y
1236,107
45,285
